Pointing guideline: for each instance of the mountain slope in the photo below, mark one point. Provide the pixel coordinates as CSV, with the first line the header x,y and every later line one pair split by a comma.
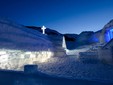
x,y
48,31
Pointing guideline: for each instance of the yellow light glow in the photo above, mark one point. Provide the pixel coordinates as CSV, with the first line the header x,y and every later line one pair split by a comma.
x,y
15,59
2,52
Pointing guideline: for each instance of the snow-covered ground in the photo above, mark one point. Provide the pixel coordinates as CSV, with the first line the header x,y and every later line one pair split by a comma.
x,y
20,78
72,67
78,50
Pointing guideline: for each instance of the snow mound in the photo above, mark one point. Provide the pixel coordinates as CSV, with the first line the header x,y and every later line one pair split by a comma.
x,y
15,36
78,50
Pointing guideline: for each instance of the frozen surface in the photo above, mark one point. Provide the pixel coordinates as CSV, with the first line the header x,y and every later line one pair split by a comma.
x,y
72,67
20,78
62,71
78,50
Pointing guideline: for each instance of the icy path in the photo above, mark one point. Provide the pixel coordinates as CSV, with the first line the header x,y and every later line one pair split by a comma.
x,y
20,78
72,67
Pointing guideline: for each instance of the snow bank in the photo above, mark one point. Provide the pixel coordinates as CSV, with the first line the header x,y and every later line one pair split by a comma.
x,y
73,68
78,50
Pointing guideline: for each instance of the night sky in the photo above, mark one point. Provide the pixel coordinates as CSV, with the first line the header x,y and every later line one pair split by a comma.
x,y
65,16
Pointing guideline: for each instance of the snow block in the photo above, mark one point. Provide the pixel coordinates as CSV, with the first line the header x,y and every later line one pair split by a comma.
x,y
31,69
88,57
105,55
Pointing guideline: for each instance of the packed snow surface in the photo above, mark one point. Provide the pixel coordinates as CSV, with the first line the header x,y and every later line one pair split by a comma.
x,y
72,67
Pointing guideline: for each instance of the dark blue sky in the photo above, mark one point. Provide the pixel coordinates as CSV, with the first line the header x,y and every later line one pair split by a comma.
x,y
65,16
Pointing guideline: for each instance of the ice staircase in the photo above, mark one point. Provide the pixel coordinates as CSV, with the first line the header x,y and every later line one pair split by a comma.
x,y
57,43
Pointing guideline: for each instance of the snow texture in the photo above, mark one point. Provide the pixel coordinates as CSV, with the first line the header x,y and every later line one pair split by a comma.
x,y
74,68
14,36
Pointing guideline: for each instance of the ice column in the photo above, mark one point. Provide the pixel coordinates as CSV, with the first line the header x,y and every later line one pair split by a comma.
x,y
64,43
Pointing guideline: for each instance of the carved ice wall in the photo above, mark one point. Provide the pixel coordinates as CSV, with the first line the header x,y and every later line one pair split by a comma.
x,y
16,59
